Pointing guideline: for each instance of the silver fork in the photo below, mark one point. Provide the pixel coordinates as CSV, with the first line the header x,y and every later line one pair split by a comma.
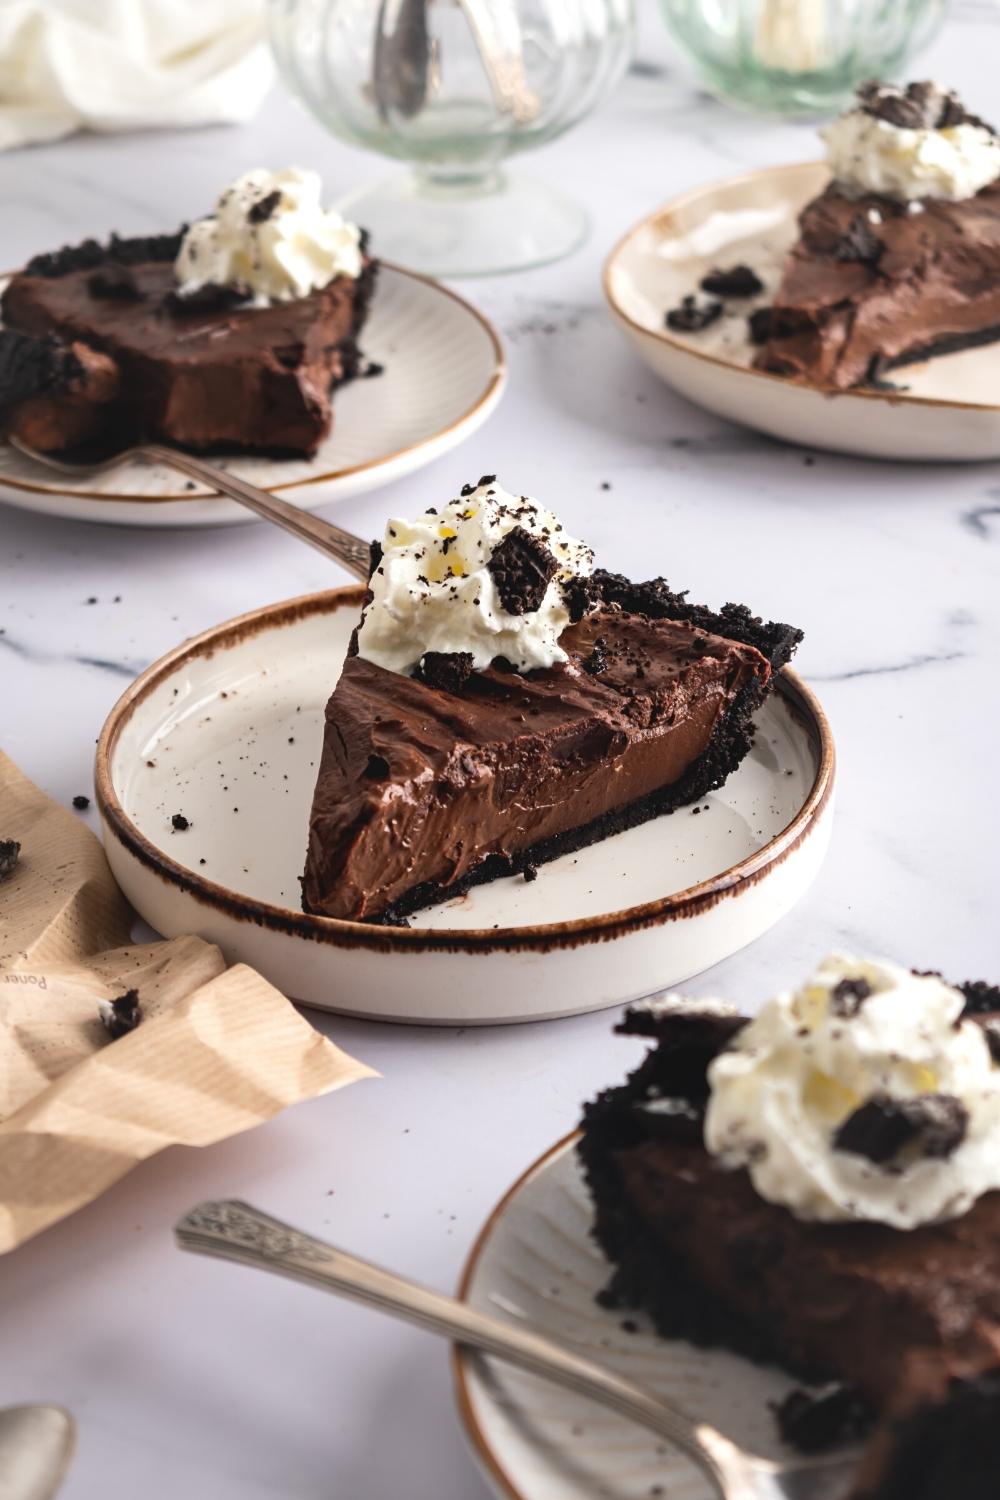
x,y
231,1230
344,547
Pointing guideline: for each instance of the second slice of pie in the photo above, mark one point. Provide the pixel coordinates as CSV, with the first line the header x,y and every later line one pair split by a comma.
x,y
504,705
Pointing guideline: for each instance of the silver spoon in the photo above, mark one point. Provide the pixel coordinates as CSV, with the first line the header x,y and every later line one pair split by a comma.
x,y
344,547
36,1445
231,1230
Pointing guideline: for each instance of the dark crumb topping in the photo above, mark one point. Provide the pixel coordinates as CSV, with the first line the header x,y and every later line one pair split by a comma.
x,y
122,1014
759,324
932,1126
34,366
210,298
597,661
860,243
920,106
448,671
521,568
691,316
980,997
90,254
815,1421
261,211
10,853
393,919
372,369
991,1030
530,872
179,823
375,555
737,281
848,996
580,595
80,802
114,282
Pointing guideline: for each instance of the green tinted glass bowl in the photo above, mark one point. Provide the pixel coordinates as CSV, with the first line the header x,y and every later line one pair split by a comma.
x,y
798,57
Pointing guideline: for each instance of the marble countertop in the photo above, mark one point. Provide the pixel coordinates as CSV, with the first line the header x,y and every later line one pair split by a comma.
x,y
196,1379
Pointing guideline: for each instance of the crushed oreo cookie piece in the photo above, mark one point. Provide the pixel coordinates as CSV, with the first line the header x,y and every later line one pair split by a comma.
x,y
116,283
371,369
848,996
691,316
980,998
859,243
393,919
580,596
530,872
375,556
923,105
80,802
759,325
933,1124
120,1015
209,298
34,366
816,1421
262,210
448,671
10,853
522,568
991,1030
486,479
179,823
737,281
596,662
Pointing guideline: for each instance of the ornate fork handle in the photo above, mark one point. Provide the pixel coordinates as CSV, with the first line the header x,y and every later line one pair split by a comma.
x,y
231,1230
344,547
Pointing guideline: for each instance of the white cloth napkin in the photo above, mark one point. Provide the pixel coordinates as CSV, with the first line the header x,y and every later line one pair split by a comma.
x,y
109,65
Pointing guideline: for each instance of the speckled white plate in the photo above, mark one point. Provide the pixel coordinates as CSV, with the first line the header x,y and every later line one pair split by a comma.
x,y
444,372
950,408
226,730
535,1264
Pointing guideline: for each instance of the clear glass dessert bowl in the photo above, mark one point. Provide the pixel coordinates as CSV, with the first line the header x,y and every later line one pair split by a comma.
x,y
798,57
453,87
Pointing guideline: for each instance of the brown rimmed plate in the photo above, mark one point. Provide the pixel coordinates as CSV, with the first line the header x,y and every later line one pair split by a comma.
x,y
948,412
226,731
443,373
536,1265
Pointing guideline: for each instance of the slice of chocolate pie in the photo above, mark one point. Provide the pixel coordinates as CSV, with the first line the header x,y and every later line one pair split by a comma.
x,y
819,1188
229,336
503,705
899,258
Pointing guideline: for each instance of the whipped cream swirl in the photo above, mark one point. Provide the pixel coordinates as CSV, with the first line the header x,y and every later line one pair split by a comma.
x,y
861,1096
437,587
271,236
911,144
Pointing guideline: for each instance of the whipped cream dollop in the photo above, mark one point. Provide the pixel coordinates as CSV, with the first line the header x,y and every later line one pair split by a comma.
x,y
911,144
271,236
861,1096
485,576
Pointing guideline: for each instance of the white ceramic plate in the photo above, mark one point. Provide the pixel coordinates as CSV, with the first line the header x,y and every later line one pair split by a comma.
x,y
233,720
536,1265
950,410
444,373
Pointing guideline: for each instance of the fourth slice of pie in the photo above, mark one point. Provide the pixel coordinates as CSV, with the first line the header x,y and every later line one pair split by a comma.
x,y
899,258
504,704
820,1187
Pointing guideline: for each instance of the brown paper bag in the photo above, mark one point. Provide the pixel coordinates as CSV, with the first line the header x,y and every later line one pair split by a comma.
x,y
215,1052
